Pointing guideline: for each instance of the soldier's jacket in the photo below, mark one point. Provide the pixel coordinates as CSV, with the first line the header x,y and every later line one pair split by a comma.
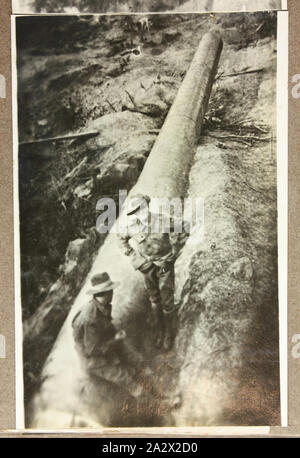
x,y
147,247
94,334
101,354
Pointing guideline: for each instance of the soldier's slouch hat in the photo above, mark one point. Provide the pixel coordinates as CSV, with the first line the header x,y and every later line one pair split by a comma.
x,y
101,283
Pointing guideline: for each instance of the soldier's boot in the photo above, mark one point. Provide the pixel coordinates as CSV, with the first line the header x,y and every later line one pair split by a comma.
x,y
158,323
169,325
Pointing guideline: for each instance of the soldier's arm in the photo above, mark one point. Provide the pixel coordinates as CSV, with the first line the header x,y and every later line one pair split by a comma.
x,y
123,241
178,239
124,245
78,328
113,343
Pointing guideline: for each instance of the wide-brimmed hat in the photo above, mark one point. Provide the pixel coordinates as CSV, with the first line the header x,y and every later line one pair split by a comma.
x,y
136,202
101,283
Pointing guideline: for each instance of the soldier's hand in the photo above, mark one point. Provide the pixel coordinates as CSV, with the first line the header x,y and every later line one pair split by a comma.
x,y
165,267
120,335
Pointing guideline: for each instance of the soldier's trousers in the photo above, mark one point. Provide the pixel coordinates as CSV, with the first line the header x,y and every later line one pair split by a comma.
x,y
160,283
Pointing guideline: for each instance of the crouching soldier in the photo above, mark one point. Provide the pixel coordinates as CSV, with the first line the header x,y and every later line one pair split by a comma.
x,y
105,352
118,373
153,247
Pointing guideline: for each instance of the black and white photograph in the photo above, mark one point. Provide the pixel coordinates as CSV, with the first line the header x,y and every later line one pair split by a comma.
x,y
141,6
148,219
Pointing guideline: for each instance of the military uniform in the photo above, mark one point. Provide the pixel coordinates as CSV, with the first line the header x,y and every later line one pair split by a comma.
x,y
101,353
153,249
154,254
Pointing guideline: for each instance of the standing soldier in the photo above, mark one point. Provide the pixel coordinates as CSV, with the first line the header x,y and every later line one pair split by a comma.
x,y
153,252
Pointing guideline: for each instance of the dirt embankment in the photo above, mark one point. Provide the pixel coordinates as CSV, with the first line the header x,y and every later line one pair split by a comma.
x,y
227,284
80,71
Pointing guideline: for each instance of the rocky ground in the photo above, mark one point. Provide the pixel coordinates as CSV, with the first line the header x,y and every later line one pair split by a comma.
x,y
78,75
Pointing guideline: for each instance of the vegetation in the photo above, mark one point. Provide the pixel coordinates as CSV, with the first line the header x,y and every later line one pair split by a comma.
x,y
103,6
